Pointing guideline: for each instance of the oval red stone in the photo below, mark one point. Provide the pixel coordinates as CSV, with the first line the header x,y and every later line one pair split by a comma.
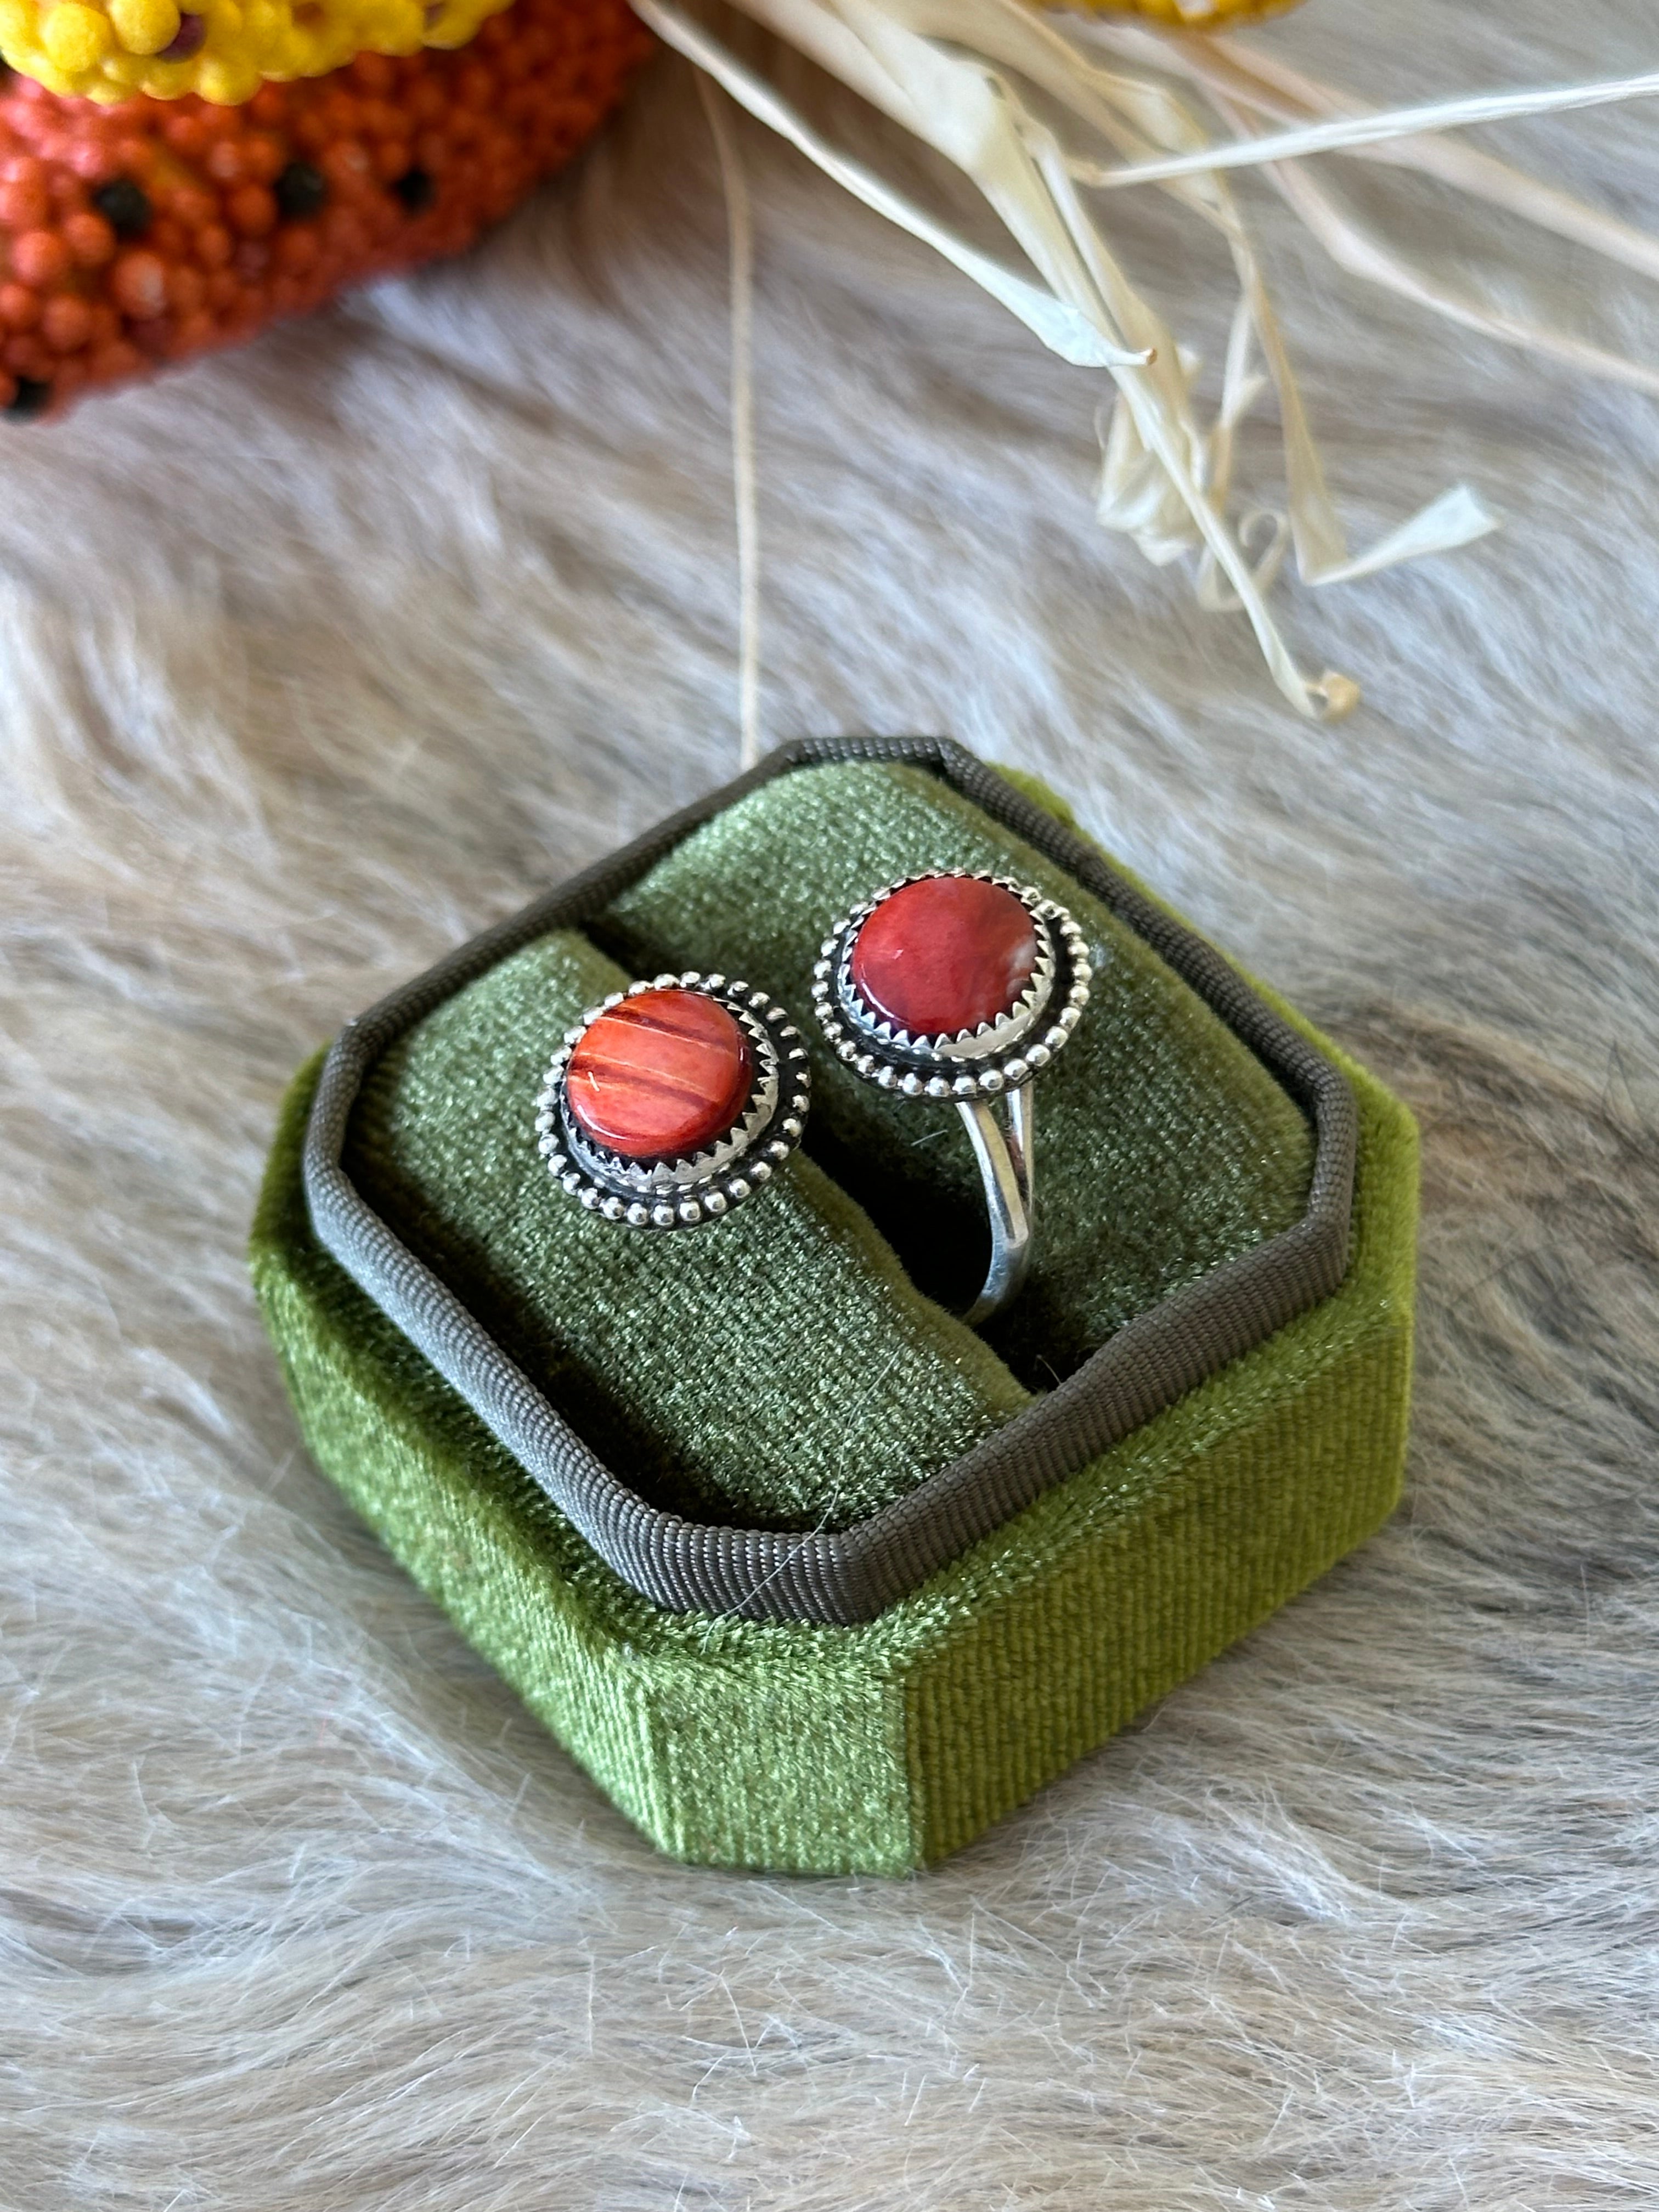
x,y
945,954
661,1075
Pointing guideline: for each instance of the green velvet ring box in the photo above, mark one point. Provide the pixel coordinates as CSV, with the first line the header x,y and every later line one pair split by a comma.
x,y
806,1574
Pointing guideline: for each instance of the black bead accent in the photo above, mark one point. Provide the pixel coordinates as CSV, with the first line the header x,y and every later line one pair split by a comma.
x,y
416,190
125,206
30,399
301,191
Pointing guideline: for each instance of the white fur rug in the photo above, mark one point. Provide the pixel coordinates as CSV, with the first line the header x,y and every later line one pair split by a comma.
x,y
314,660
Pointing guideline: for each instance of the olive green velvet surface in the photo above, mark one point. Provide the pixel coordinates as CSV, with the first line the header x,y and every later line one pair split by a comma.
x,y
784,1370
882,1747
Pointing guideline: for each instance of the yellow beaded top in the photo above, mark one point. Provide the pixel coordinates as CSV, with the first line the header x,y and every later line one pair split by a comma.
x,y
224,50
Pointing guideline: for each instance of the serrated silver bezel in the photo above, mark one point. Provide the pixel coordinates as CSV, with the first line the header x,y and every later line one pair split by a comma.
x,y
686,1192
995,1057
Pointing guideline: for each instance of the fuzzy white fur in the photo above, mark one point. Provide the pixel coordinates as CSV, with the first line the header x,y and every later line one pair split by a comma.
x,y
312,661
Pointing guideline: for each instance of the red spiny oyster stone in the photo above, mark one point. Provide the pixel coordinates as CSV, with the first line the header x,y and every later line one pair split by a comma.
x,y
945,954
661,1075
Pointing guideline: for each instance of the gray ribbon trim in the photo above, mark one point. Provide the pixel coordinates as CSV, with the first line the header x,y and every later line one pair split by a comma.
x,y
850,1575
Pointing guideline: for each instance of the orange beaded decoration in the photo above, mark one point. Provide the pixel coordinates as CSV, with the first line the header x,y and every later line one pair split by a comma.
x,y
143,232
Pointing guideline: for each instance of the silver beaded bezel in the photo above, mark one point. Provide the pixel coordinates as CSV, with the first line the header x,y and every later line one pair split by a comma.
x,y
688,1192
979,1063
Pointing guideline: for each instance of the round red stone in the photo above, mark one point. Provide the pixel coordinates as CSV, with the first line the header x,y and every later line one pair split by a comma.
x,y
661,1075
945,954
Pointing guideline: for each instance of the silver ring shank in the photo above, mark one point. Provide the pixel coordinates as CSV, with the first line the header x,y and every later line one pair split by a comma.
x,y
1006,1165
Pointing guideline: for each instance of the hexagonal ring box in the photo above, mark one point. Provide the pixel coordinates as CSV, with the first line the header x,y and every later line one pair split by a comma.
x,y
807,1574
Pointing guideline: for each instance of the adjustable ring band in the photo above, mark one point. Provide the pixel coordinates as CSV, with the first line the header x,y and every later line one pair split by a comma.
x,y
961,987
673,1101
1005,1167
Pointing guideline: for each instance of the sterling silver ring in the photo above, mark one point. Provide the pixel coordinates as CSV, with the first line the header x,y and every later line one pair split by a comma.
x,y
673,1101
961,986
